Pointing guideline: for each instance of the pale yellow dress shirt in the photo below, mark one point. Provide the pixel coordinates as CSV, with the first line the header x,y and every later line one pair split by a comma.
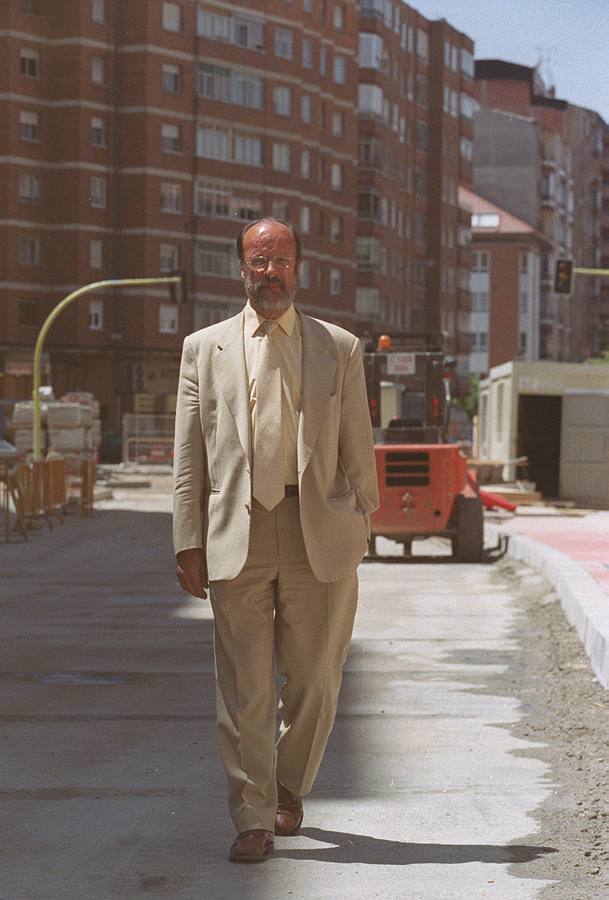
x,y
287,341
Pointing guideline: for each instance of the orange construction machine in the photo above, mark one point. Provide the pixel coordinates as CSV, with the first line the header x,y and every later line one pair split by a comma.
x,y
424,484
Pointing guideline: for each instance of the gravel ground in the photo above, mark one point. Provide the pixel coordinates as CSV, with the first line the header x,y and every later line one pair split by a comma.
x,y
567,710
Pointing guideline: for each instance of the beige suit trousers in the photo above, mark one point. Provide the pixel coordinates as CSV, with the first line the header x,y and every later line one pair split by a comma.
x,y
276,616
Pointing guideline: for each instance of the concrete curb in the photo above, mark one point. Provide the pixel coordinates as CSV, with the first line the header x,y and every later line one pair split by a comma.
x,y
585,604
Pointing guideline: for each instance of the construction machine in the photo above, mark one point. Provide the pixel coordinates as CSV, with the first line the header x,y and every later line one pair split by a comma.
x,y
424,483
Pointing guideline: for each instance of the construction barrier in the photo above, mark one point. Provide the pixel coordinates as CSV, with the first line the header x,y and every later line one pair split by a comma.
x,y
37,491
87,486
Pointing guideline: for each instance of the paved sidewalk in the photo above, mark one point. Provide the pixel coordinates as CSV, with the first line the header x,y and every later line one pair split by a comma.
x,y
571,548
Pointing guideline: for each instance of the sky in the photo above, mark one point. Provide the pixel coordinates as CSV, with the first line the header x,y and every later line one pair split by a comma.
x,y
572,37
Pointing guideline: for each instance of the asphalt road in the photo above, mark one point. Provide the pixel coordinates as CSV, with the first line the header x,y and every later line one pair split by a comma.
x,y
110,783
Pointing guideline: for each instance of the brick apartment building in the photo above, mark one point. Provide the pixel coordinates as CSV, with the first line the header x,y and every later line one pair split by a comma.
x,y
139,137
542,159
416,110
505,285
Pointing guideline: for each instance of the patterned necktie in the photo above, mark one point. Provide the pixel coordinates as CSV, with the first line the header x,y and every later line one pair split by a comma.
x,y
268,482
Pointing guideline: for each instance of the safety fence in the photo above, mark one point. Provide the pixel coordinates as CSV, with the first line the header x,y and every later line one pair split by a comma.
x,y
38,492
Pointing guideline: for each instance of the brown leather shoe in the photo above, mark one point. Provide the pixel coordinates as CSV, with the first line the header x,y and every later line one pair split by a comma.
x,y
252,846
289,811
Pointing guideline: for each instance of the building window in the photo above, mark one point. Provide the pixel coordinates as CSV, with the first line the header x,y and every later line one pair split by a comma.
x,y
305,163
96,315
370,254
97,70
323,61
339,17
522,342
336,176
171,79
282,100
281,157
171,198
230,86
97,192
524,262
336,229
98,132
168,258
27,313
367,303
30,7
304,274
235,28
96,253
171,138
419,229
305,108
248,150
422,44
335,281
338,124
213,143
467,63
481,261
307,5
168,318
29,63
98,11
467,106
172,17
283,43
421,136
217,201
307,53
305,219
370,100
280,210
339,69
29,188
28,126
29,251
215,259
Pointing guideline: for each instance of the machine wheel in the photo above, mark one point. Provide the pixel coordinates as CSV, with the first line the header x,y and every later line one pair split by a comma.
x,y
468,543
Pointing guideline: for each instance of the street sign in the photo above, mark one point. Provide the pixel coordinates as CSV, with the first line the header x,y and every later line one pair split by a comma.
x,y
401,364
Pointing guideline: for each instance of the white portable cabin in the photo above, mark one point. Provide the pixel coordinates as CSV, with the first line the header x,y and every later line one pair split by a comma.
x,y
555,414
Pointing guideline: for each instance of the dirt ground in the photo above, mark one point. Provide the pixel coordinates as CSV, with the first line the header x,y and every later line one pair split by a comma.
x,y
566,708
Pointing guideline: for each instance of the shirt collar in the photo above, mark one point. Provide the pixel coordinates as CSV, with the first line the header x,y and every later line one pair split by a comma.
x,y
253,320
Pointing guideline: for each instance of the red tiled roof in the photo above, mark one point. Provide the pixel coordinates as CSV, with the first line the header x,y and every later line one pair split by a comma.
x,y
508,224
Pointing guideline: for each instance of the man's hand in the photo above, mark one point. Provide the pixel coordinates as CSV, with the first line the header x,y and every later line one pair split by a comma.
x,y
191,572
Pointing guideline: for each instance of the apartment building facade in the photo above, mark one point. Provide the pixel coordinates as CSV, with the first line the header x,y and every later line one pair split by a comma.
x,y
542,159
416,105
505,285
140,138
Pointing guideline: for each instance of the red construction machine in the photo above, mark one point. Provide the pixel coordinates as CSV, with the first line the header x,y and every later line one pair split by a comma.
x,y
424,484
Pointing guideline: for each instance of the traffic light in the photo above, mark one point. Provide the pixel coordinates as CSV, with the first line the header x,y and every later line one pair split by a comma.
x,y
563,276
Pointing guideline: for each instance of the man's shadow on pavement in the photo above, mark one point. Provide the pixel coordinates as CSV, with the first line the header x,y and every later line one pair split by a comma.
x,y
360,848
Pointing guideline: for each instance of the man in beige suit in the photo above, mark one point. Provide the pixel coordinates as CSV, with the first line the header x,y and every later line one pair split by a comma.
x,y
274,481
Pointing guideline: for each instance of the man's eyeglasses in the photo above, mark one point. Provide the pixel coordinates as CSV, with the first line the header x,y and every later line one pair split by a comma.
x,y
261,263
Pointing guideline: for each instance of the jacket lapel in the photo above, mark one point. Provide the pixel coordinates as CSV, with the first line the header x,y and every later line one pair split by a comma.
x,y
229,363
318,370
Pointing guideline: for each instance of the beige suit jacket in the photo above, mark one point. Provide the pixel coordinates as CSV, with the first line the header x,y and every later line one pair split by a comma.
x,y
212,471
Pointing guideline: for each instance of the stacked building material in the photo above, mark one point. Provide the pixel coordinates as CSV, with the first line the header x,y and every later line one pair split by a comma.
x,y
22,425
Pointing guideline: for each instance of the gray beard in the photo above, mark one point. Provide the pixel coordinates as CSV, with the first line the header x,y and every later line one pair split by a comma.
x,y
255,294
